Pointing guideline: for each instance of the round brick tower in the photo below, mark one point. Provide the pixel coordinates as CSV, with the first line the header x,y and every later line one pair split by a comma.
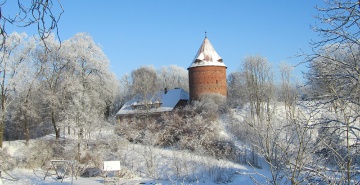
x,y
207,72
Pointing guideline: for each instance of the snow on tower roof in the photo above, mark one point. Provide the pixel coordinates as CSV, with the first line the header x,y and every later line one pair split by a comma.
x,y
207,56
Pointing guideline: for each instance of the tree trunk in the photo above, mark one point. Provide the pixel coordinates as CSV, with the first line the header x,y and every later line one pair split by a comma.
x,y
78,152
2,122
26,121
2,126
348,155
26,129
57,130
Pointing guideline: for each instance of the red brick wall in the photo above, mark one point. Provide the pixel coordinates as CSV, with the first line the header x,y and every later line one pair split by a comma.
x,y
207,79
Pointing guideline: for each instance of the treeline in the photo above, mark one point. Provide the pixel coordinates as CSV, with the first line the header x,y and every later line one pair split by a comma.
x,y
148,80
47,86
52,87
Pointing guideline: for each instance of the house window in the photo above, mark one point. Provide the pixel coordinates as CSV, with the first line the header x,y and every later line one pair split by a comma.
x,y
145,106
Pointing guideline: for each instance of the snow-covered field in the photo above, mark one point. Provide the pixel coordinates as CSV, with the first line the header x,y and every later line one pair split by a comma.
x,y
143,164
190,169
26,176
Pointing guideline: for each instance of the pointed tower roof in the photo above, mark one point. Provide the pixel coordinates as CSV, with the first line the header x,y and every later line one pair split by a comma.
x,y
207,56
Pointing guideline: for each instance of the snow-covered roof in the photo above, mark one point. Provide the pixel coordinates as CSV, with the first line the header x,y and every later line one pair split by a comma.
x,y
167,101
207,56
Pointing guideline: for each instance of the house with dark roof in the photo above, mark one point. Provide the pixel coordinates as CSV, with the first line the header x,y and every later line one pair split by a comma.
x,y
153,104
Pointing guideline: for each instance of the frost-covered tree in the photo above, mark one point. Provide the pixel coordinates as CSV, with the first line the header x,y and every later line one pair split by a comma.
x,y
78,89
124,92
281,136
287,90
53,67
14,52
88,87
144,81
237,95
45,14
173,77
92,87
26,102
258,83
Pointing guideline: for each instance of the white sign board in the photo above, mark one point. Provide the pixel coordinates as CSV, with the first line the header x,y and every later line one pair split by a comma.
x,y
112,165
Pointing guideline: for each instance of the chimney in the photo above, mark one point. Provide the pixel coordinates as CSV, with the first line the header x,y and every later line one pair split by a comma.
x,y
165,90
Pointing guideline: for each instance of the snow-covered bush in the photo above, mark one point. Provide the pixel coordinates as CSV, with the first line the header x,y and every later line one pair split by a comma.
x,y
91,172
39,153
210,105
7,162
219,173
182,129
125,173
91,158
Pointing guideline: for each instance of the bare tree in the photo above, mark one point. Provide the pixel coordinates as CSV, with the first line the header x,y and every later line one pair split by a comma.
x,y
45,14
237,95
173,77
282,136
334,73
258,82
144,81
287,92
124,92
259,88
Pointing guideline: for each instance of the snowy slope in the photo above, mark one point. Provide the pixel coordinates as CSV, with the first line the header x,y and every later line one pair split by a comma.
x,y
151,165
171,167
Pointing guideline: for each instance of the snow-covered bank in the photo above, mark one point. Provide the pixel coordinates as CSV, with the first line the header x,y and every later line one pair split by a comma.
x,y
26,176
148,165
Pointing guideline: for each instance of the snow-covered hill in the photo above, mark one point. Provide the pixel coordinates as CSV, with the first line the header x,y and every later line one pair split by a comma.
x,y
143,164
170,167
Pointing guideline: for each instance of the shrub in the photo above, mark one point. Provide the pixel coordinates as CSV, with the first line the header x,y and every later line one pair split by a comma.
x,y
210,105
6,161
91,172
183,129
40,152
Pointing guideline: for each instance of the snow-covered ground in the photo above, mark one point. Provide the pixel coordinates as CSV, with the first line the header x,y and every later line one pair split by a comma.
x,y
26,176
143,164
191,169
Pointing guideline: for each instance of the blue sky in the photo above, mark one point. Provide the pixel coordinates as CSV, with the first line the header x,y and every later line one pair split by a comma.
x,y
134,33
